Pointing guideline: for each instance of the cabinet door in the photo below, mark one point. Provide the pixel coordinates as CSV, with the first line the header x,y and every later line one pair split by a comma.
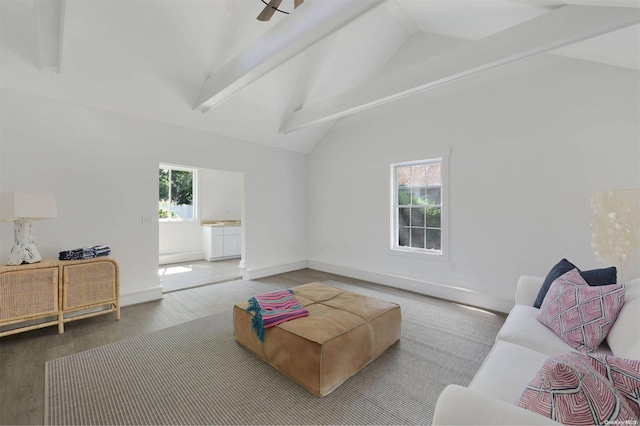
x,y
212,242
232,245
28,293
88,284
217,247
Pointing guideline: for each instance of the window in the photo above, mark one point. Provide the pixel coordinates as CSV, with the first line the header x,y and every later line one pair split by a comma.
x,y
417,206
176,194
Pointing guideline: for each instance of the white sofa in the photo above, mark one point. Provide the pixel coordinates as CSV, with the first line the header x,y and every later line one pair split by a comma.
x,y
522,346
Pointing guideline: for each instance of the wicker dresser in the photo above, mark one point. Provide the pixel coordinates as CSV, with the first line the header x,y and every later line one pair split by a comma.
x,y
54,292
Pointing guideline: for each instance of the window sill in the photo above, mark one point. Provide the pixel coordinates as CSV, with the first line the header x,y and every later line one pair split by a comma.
x,y
423,255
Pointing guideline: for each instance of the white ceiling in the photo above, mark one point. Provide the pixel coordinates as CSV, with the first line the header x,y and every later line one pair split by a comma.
x,y
151,58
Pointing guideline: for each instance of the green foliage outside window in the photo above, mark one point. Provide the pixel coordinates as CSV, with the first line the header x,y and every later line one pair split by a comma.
x,y
164,214
177,185
181,187
422,204
426,219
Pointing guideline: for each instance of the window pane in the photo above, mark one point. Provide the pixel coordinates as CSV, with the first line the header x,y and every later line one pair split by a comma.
x,y
175,194
163,210
417,216
433,217
403,176
433,239
404,216
164,184
404,196
419,176
417,237
434,195
403,237
434,174
418,195
163,194
181,187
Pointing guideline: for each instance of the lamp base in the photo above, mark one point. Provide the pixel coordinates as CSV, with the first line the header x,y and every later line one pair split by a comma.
x,y
24,244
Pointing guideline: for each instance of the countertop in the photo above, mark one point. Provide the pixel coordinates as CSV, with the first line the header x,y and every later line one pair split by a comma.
x,y
217,223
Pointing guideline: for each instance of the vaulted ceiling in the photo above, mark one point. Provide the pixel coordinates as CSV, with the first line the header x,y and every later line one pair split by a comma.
x,y
210,65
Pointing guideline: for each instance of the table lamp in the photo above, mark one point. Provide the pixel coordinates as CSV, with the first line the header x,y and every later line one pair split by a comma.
x,y
23,209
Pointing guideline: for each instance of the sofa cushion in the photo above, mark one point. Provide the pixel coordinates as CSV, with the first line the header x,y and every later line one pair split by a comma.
x,y
523,328
527,289
623,337
632,290
480,409
580,314
507,370
595,277
568,389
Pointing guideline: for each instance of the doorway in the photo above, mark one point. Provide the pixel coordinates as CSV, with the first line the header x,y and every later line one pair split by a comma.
x,y
200,210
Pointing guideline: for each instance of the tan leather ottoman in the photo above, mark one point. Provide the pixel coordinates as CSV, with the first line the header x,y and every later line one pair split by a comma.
x,y
343,333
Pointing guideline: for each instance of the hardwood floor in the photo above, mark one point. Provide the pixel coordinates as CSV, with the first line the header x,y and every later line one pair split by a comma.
x,y
23,356
180,276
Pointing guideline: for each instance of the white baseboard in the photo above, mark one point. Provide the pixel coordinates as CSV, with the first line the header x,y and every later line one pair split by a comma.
x,y
177,257
252,273
455,294
141,296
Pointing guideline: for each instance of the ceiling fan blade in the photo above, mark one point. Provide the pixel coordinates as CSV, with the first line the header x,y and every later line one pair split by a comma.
x,y
297,3
269,10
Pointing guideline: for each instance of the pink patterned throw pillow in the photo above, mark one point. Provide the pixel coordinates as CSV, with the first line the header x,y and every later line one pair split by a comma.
x,y
623,373
580,314
569,390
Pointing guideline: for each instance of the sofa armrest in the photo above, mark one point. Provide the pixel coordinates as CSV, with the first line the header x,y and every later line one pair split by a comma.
x,y
528,289
458,405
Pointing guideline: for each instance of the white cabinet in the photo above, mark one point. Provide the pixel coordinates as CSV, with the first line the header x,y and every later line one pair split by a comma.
x,y
221,242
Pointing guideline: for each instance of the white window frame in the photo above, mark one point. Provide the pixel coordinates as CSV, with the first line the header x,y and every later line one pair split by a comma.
x,y
194,172
441,156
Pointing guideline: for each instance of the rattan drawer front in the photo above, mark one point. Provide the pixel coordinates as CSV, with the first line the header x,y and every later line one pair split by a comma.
x,y
88,284
28,293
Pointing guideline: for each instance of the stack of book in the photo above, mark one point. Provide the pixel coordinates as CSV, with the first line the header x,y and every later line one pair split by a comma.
x,y
85,253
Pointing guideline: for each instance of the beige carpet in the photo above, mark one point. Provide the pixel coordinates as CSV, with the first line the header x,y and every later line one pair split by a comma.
x,y
195,373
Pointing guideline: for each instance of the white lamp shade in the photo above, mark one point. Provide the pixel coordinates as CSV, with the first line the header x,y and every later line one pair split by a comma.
x,y
18,205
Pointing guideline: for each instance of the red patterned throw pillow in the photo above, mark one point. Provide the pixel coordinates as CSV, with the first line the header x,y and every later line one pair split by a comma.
x,y
580,314
568,389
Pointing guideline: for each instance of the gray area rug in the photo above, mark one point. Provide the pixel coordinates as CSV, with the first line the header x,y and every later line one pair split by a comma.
x,y
195,373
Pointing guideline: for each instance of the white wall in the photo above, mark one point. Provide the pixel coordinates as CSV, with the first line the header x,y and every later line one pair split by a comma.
x,y
220,195
95,161
529,143
180,242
